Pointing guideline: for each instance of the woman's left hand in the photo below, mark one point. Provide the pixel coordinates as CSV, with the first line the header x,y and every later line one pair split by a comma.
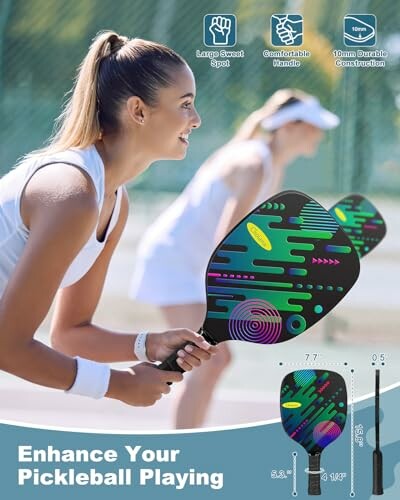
x,y
161,345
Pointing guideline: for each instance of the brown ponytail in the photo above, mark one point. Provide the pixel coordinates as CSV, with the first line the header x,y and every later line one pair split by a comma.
x,y
78,123
114,69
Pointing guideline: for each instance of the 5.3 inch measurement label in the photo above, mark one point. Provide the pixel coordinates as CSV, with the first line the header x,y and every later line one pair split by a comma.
x,y
281,474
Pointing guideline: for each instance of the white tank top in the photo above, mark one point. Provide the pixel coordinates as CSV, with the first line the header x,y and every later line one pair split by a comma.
x,y
188,227
13,232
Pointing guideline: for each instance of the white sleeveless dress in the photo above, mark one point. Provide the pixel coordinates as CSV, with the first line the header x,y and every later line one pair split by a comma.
x,y
174,252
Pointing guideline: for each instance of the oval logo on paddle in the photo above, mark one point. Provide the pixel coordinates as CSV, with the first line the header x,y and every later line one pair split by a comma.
x,y
291,404
341,215
259,236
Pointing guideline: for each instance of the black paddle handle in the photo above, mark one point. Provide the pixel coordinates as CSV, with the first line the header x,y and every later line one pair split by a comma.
x,y
314,474
377,473
171,364
377,458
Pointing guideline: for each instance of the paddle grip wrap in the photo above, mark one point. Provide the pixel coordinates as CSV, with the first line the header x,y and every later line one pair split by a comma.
x,y
314,477
377,473
170,363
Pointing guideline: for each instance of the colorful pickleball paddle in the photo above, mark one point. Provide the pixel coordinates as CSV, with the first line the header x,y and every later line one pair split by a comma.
x,y
361,221
278,272
313,411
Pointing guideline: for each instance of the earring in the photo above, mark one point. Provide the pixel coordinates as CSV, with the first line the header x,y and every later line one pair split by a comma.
x,y
142,120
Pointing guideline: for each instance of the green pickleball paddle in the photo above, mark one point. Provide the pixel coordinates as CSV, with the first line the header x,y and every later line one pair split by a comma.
x,y
361,221
313,411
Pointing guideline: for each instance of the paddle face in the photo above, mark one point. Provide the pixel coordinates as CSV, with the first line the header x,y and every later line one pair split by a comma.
x,y
361,221
279,271
313,408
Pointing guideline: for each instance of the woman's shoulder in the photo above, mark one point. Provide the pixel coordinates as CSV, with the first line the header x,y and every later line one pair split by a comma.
x,y
243,157
234,164
88,159
74,167
243,153
62,187
241,165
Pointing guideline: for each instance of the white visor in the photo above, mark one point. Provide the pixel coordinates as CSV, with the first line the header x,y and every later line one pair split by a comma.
x,y
309,111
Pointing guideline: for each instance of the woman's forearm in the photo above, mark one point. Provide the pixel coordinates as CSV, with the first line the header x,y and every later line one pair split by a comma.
x,y
38,363
47,367
96,343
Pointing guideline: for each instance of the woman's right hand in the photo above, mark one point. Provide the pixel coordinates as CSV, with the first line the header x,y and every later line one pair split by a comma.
x,y
142,385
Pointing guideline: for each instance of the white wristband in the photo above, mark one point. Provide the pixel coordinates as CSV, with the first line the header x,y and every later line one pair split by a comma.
x,y
140,347
92,379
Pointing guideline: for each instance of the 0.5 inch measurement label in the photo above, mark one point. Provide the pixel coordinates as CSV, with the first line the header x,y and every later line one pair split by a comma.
x,y
379,358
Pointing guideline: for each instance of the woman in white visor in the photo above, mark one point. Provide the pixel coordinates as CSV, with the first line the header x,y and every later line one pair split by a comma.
x,y
174,252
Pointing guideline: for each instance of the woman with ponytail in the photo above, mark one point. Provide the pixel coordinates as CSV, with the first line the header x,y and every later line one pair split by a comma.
x,y
233,181
62,212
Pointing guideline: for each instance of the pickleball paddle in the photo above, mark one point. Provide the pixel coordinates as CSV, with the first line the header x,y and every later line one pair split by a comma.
x,y
361,221
313,412
278,272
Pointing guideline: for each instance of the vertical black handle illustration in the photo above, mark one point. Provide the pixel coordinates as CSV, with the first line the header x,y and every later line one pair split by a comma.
x,y
377,459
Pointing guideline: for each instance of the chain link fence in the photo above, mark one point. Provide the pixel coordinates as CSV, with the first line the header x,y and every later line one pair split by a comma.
x,y
42,42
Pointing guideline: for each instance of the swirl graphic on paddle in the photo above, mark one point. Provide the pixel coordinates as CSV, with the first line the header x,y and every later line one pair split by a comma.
x,y
255,321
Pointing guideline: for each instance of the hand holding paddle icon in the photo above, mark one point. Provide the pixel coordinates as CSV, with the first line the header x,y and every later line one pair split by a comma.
x,y
288,30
